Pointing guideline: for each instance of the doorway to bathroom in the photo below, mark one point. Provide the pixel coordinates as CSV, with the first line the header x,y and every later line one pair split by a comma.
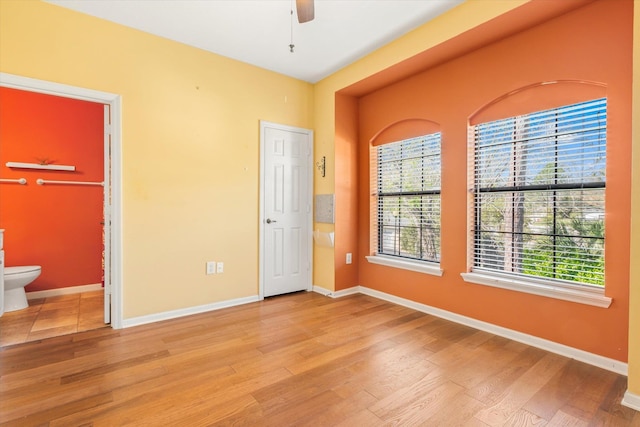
x,y
106,290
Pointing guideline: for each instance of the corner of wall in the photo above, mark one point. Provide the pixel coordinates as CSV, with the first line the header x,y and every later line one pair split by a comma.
x,y
634,274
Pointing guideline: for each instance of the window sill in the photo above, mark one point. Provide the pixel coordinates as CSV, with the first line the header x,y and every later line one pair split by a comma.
x,y
577,294
405,264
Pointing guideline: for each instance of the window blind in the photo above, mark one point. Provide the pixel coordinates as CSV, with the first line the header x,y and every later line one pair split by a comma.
x,y
406,198
538,189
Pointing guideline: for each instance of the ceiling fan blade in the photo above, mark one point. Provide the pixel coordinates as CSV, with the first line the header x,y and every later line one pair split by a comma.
x,y
305,10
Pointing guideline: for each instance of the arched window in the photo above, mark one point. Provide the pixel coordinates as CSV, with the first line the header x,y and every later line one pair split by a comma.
x,y
537,183
405,188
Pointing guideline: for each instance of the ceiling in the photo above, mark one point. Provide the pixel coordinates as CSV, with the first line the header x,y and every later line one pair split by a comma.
x,y
259,32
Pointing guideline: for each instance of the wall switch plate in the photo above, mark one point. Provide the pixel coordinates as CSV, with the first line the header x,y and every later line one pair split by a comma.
x,y
349,258
211,267
220,268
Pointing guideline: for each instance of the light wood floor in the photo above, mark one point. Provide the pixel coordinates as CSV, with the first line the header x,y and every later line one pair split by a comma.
x,y
302,359
53,316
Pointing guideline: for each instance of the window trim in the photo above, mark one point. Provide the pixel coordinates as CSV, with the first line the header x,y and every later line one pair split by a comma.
x,y
420,266
589,295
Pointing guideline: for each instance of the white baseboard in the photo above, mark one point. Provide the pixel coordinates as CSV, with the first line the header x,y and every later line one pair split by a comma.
x,y
322,291
64,291
631,400
561,349
173,314
335,294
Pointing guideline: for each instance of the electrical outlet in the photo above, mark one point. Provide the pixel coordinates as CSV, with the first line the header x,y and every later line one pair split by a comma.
x,y
349,258
211,267
220,268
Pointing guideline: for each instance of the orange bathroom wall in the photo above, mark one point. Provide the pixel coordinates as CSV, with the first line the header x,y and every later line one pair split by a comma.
x,y
55,226
592,43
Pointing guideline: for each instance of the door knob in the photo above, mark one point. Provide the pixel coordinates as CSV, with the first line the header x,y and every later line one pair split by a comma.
x,y
269,220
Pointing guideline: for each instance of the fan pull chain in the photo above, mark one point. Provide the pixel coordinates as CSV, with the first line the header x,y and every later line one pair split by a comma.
x,y
291,45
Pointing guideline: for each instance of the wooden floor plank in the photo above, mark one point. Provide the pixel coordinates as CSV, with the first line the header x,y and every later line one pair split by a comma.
x,y
524,418
362,418
396,367
494,387
351,346
302,359
343,408
458,411
585,402
42,417
553,396
522,390
418,409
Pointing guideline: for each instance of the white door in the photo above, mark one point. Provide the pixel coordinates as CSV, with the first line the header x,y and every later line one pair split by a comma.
x,y
286,195
1,278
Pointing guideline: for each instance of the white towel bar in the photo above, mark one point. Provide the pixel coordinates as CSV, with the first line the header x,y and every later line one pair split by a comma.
x,y
21,181
46,181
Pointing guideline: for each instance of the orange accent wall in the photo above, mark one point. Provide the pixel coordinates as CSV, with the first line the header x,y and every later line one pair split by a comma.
x,y
54,226
592,43
346,275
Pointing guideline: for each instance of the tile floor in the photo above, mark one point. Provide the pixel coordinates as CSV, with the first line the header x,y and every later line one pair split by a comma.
x,y
53,316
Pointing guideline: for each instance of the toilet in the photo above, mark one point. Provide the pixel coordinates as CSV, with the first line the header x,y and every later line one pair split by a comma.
x,y
15,279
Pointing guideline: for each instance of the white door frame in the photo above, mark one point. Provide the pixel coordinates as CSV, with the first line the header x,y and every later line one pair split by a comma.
x,y
114,210
309,133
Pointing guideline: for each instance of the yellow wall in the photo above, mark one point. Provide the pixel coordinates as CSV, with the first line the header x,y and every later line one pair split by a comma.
x,y
323,264
634,280
190,146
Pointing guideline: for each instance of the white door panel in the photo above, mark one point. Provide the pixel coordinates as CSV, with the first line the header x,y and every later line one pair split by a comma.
x,y
286,210
1,279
